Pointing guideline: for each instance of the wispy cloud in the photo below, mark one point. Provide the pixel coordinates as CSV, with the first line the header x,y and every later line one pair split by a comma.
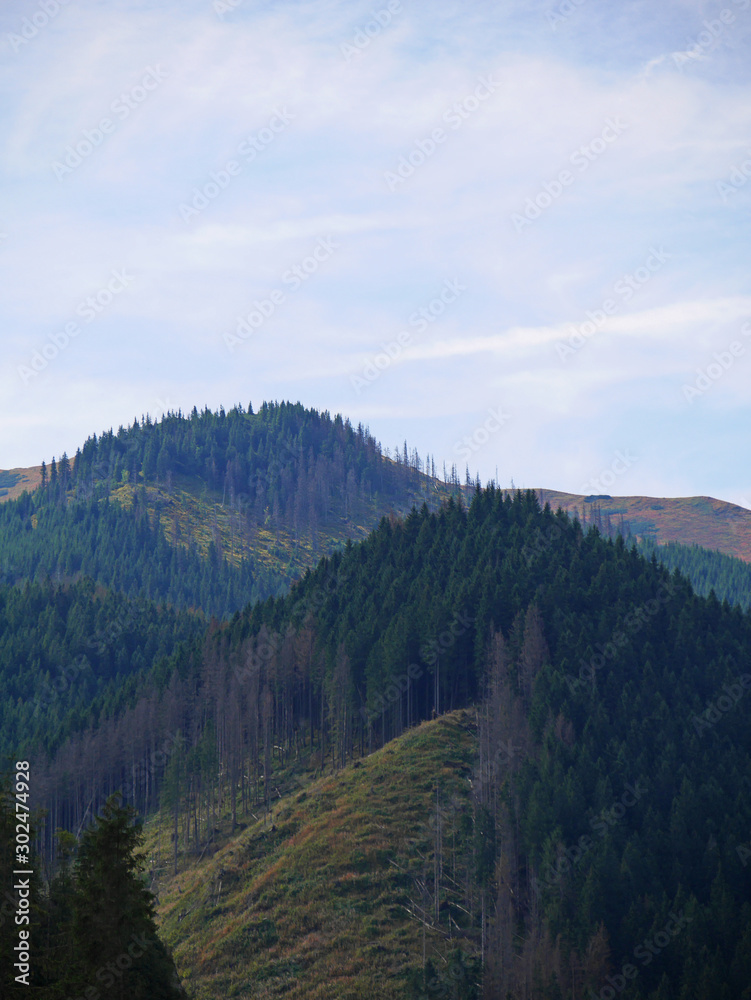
x,y
349,122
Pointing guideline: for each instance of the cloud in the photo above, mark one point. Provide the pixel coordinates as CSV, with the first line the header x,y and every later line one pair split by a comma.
x,y
325,173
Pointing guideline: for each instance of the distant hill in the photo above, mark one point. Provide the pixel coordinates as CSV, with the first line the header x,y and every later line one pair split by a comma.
x,y
713,524
207,510
13,482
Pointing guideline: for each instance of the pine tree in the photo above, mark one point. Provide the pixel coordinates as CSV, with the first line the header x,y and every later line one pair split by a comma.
x,y
113,925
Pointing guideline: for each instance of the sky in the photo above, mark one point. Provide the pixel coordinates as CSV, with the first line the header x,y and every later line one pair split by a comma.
x,y
515,235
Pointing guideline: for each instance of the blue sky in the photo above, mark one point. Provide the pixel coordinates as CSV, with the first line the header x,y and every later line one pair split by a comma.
x,y
516,233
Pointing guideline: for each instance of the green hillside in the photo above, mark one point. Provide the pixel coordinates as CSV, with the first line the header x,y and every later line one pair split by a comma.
x,y
600,778
322,898
613,786
728,577
209,511
70,653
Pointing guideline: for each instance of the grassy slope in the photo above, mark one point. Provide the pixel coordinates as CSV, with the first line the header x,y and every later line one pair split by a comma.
x,y
14,482
190,513
315,909
713,524
201,516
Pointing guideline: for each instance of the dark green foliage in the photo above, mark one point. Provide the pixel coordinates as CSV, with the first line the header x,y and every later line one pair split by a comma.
x,y
283,467
728,577
127,550
8,479
93,932
621,804
113,924
66,653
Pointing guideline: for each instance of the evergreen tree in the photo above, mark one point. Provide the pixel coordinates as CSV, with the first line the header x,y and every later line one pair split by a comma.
x,y
113,926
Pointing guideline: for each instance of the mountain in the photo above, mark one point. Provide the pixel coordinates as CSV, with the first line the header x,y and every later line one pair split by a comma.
x,y
611,801
583,710
221,539
326,895
712,524
210,510
14,482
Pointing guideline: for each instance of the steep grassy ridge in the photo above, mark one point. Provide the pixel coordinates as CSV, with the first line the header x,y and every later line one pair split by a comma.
x,y
311,902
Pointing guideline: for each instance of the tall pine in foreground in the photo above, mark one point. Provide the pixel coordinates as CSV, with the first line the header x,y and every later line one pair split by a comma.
x,y
113,928
93,932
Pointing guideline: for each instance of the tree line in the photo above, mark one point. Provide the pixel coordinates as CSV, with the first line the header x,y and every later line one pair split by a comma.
x,y
604,672
91,928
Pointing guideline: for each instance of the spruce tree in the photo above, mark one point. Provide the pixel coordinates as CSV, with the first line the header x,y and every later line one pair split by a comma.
x,y
114,926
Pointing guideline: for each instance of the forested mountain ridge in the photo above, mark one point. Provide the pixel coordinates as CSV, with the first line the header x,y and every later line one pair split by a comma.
x,y
71,651
613,784
261,496
728,577
610,768
212,510
713,524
